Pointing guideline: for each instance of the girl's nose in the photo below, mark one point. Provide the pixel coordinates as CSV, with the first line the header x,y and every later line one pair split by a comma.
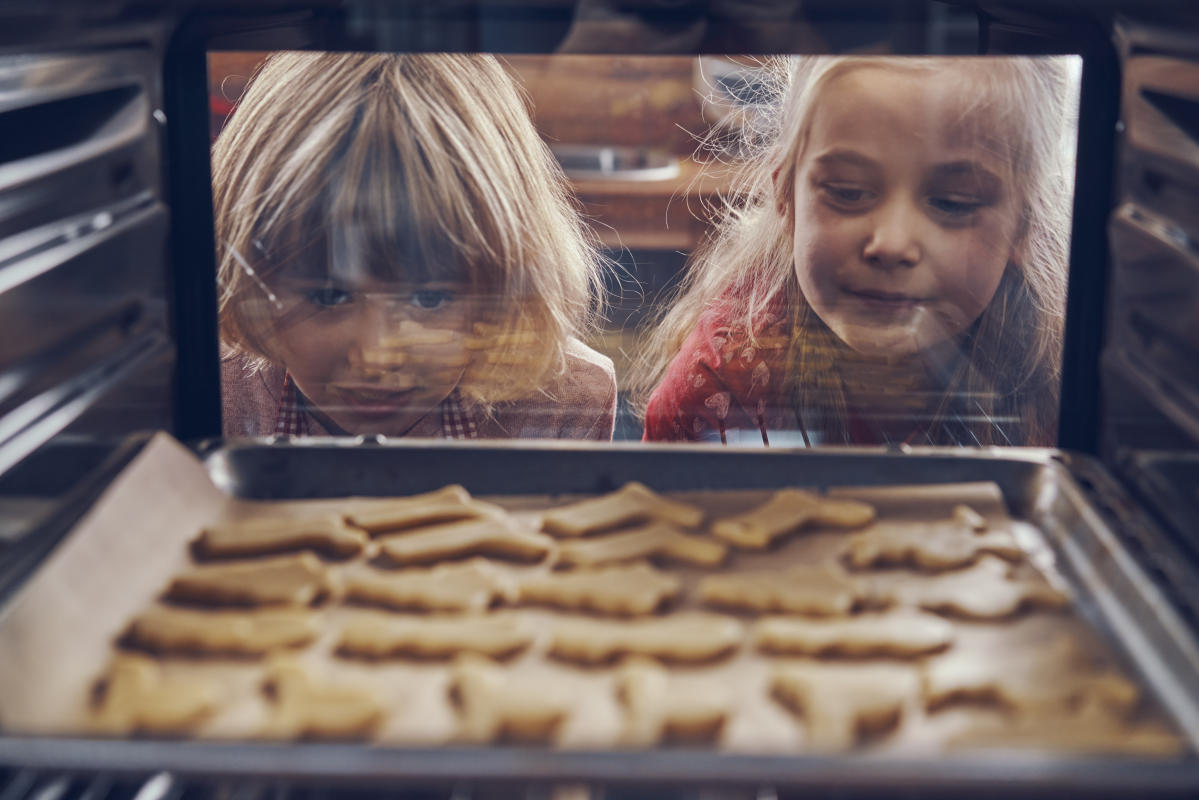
x,y
892,242
372,323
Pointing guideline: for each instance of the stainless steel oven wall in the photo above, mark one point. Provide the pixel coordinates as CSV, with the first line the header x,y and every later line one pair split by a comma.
x,y
86,354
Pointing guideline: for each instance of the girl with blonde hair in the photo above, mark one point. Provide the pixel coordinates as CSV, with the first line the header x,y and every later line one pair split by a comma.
x,y
896,268
398,256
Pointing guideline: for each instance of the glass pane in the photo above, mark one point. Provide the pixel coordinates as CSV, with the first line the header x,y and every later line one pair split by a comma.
x,y
794,250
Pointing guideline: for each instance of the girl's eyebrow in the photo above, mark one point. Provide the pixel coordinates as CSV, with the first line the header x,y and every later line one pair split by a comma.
x,y
966,168
845,157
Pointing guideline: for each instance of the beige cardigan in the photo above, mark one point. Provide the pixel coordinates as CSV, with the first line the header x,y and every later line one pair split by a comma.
x,y
578,404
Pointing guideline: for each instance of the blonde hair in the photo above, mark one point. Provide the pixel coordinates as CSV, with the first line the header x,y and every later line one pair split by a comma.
x,y
432,161
1014,349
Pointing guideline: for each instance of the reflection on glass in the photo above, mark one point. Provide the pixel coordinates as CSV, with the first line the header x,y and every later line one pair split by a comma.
x,y
797,250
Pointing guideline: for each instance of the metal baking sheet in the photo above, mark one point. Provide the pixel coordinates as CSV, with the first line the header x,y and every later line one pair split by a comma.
x,y
1114,595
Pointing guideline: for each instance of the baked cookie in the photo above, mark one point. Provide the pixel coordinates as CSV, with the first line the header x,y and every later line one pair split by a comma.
x,y
988,590
133,697
499,537
257,537
896,634
814,589
303,706
659,708
685,637
1043,682
433,637
842,704
496,704
473,585
448,504
632,590
660,541
787,511
935,546
633,502
295,580
242,633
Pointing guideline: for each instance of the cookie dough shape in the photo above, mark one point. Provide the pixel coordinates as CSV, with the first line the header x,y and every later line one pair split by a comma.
x,y
499,537
687,637
787,511
811,589
988,590
658,708
655,540
633,502
495,704
898,634
448,504
296,580
842,704
626,590
433,637
258,537
135,698
936,546
306,707
243,633
473,586
1053,680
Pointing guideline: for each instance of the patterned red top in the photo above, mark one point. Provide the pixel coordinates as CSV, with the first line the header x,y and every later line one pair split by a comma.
x,y
724,380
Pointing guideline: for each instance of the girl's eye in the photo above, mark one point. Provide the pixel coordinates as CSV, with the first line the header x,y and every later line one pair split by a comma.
x,y
327,296
843,195
430,299
955,206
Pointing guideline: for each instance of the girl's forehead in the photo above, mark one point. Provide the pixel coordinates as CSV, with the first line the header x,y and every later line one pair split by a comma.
x,y
917,111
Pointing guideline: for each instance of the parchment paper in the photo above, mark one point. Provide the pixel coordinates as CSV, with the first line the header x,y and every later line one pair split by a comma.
x,y
57,635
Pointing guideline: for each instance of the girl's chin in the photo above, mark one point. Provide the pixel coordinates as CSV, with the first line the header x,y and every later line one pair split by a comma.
x,y
888,343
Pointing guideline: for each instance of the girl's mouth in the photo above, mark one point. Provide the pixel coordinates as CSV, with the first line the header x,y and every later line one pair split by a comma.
x,y
882,302
371,400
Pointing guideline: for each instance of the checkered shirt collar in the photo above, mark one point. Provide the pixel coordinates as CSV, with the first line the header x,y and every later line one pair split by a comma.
x,y
291,418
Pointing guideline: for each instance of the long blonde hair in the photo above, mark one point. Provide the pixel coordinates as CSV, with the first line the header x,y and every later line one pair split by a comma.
x,y
1014,349
435,158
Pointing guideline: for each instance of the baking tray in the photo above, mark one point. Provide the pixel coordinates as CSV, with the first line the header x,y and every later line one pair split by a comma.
x,y
1114,595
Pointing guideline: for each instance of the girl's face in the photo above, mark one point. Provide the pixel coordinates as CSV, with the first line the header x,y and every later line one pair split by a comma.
x,y
371,356
904,214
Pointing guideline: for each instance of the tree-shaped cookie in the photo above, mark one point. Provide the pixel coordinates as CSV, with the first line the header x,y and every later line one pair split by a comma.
x,y
816,589
448,504
302,705
245,633
633,502
660,541
659,707
381,636
898,634
1045,681
690,637
991,589
499,537
497,704
947,544
326,534
297,580
631,590
842,704
133,696
473,585
787,511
